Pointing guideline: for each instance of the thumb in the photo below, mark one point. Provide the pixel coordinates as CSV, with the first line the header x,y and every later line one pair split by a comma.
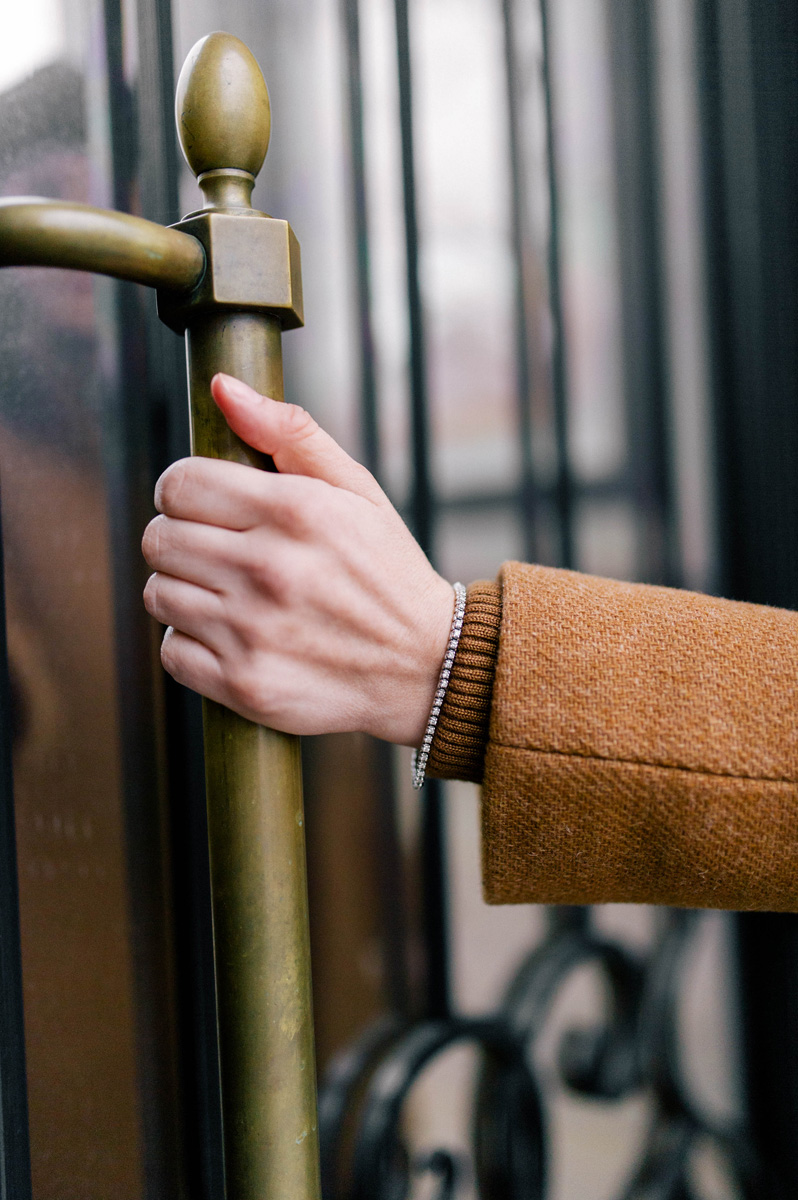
x,y
291,437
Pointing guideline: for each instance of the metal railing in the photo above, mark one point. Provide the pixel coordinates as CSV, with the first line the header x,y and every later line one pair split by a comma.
x,y
635,1048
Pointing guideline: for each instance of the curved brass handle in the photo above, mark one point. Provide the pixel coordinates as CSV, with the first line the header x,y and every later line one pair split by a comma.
x,y
61,233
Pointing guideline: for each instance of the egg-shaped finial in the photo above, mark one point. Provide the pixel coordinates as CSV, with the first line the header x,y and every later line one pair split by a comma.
x,y
222,107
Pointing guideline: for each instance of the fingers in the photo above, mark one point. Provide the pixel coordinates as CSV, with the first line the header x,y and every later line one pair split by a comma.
x,y
192,610
210,490
236,497
193,664
201,554
292,438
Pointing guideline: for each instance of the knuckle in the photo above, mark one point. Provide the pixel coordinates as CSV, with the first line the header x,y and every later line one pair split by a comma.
x,y
273,577
151,595
297,422
238,616
268,573
247,689
170,485
330,520
301,510
302,581
296,520
151,541
170,656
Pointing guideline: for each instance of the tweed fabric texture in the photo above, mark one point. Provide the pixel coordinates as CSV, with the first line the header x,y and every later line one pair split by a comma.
x,y
461,735
642,747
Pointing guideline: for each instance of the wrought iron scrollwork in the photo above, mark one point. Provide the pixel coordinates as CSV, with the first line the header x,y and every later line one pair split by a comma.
x,y
632,1049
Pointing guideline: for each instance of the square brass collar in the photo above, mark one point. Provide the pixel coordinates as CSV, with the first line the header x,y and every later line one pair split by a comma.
x,y
252,263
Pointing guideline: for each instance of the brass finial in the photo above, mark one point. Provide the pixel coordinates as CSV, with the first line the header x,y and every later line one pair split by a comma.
x,y
223,119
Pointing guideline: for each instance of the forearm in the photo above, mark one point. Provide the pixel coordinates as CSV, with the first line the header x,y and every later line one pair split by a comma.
x,y
634,743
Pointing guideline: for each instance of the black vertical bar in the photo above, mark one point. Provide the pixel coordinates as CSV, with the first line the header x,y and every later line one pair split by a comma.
x,y
632,57
159,158
391,892
157,178
523,380
128,453
564,487
437,1000
748,77
767,953
15,1177
422,510
158,173
393,916
718,276
749,94
422,499
368,375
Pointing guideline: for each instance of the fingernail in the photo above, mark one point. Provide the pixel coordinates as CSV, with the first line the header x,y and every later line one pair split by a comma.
x,y
238,390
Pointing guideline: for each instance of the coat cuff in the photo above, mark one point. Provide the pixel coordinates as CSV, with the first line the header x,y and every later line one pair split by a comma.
x,y
461,735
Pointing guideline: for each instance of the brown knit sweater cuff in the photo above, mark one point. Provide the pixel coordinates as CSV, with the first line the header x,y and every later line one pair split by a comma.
x,y
461,735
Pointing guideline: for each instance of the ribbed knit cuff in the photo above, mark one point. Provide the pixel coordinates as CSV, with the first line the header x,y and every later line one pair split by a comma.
x,y
461,735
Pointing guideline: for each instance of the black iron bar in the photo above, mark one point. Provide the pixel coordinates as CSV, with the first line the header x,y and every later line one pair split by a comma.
x,y
198,1068
368,375
633,1047
422,505
642,308
126,451
422,497
601,490
519,241
393,917
15,1177
127,435
393,914
748,88
437,995
564,488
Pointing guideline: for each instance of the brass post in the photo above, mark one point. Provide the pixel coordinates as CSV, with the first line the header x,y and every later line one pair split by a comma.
x,y
233,322
230,279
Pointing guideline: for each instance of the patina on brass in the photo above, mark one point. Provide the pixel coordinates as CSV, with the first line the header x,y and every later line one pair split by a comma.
x,y
59,233
222,109
257,849
252,264
230,278
233,323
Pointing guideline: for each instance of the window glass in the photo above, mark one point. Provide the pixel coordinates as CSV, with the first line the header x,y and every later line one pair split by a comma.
x,y
89,1041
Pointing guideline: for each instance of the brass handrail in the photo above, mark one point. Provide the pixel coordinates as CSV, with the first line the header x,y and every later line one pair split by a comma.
x,y
229,277
63,233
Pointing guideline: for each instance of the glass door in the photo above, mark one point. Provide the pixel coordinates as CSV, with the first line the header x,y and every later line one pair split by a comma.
x,y
82,434
529,234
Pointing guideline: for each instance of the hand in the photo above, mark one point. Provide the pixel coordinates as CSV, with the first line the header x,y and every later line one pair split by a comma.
x,y
299,599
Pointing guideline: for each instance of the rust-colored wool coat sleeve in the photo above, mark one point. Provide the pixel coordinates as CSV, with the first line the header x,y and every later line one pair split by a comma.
x,y
635,743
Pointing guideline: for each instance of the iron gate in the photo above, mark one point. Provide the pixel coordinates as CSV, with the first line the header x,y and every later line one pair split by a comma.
x,y
745,85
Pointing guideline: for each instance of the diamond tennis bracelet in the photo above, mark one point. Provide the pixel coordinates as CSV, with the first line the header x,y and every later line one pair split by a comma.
x,y
421,755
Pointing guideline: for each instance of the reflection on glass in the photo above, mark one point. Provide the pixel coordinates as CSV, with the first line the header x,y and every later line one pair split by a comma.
x,y
79,1012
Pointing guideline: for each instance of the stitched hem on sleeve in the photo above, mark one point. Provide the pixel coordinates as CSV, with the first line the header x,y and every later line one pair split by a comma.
x,y
567,829
461,735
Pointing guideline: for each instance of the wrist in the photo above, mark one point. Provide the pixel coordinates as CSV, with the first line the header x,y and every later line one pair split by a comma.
x,y
403,690
461,735
421,755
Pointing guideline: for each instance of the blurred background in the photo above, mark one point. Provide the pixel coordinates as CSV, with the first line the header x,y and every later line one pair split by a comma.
x,y
550,264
